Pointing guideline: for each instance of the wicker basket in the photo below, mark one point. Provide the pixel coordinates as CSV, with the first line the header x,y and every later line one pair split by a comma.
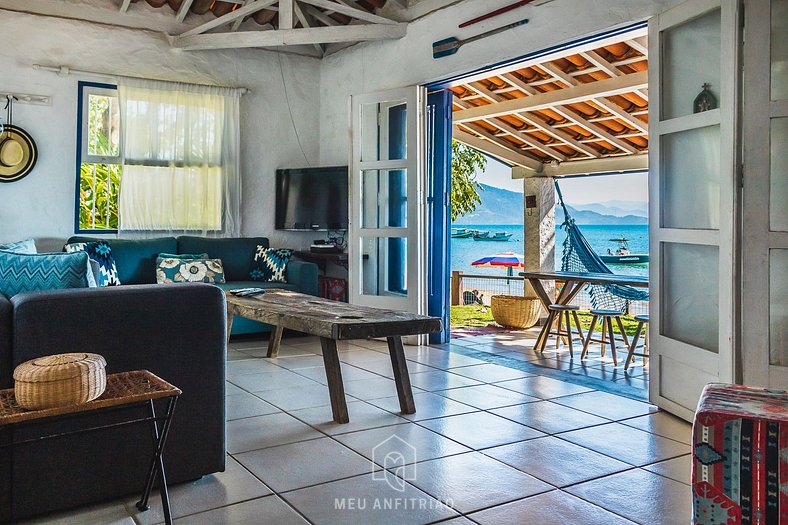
x,y
59,380
514,311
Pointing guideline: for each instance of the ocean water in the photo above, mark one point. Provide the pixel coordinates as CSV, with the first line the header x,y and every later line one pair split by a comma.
x,y
465,251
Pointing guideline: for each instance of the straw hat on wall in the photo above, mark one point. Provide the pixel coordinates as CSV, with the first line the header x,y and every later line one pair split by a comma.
x,y
18,153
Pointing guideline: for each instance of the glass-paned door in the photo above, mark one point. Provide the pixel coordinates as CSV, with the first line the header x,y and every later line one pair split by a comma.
x,y
387,222
765,219
692,162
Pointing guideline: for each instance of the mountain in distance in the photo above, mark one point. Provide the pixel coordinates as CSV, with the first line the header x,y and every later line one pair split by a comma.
x,y
617,208
500,206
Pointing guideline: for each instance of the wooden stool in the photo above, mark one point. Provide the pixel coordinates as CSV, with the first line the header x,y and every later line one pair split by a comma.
x,y
607,326
561,311
642,320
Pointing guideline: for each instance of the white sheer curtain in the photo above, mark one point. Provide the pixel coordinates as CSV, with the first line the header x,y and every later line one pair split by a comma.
x,y
181,168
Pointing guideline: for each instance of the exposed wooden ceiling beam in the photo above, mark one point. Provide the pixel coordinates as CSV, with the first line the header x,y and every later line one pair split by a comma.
x,y
624,163
504,153
596,130
305,23
286,8
124,5
320,16
638,45
287,37
606,66
100,13
184,10
600,88
229,17
353,12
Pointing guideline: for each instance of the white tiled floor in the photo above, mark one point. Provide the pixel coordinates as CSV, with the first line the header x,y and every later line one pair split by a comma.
x,y
500,436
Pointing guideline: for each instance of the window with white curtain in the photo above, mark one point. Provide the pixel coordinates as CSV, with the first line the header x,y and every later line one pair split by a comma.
x,y
180,149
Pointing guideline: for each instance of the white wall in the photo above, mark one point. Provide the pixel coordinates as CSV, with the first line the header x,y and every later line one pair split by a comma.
x,y
390,64
42,204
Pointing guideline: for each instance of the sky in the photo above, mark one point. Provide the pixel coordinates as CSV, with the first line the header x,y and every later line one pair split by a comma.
x,y
583,190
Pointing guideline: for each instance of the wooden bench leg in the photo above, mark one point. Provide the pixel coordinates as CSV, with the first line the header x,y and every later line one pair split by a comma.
x,y
569,333
401,377
274,340
336,389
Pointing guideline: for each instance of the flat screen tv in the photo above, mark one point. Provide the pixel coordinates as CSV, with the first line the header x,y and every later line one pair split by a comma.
x,y
312,199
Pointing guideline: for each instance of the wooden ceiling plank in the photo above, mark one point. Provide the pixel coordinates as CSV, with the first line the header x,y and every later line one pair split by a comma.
x,y
184,10
520,135
607,67
621,113
580,93
320,16
229,17
639,44
124,5
286,20
596,130
506,154
353,12
288,37
240,21
305,23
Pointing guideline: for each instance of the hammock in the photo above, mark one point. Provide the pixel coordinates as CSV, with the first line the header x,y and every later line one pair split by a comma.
x,y
578,256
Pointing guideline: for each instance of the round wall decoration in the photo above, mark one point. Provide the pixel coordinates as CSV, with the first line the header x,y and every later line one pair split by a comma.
x,y
18,153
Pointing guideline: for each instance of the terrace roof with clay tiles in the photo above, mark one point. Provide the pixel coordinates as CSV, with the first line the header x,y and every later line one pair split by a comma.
x,y
590,104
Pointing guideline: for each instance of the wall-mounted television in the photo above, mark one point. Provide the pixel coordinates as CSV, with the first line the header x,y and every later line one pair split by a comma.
x,y
312,199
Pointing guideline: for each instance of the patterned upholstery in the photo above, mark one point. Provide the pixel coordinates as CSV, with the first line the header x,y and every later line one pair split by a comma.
x,y
270,264
740,456
100,252
188,269
46,271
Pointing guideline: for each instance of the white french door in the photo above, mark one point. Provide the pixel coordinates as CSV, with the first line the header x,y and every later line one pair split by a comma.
x,y
765,219
693,201
387,233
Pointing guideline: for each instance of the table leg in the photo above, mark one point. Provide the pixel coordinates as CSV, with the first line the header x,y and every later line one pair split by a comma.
x,y
401,377
536,284
336,388
274,340
157,465
230,316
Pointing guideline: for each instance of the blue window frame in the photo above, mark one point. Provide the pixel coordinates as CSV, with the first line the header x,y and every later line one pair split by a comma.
x,y
98,166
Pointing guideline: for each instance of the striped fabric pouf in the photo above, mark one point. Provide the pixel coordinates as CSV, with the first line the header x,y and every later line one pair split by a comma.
x,y
740,456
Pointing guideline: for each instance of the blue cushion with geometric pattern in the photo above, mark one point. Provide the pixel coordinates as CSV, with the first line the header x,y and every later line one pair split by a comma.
x,y
270,264
100,252
43,271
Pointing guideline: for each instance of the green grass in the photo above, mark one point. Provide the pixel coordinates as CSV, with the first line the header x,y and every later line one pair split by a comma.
x,y
471,315
476,315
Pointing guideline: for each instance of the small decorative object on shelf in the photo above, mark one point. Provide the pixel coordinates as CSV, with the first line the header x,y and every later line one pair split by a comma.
x,y
60,380
705,100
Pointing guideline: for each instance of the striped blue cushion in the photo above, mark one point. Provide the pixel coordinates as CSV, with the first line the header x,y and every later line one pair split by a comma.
x,y
44,271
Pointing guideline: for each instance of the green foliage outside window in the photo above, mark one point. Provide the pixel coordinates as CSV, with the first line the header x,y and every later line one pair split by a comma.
x,y
99,182
465,163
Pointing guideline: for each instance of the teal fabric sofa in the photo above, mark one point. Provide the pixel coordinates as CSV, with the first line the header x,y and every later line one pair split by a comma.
x,y
136,262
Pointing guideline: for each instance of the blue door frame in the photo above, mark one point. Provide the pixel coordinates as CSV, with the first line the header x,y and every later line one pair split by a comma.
x,y
439,121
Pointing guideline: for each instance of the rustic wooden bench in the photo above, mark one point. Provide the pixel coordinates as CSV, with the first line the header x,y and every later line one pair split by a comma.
x,y
334,321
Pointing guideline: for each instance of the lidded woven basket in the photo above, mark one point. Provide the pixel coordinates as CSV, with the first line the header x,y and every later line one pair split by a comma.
x,y
60,380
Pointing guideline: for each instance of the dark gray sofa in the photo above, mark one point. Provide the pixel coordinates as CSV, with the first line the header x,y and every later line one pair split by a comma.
x,y
176,331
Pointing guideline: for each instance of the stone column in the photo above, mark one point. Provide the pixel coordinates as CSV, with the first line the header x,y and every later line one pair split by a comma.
x,y
539,227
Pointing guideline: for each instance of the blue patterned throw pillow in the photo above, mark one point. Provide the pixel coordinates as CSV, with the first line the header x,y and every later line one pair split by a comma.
x,y
44,271
196,268
100,252
270,264
27,246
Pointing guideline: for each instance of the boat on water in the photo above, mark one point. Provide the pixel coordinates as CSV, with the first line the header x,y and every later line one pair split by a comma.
x,y
461,233
622,255
487,236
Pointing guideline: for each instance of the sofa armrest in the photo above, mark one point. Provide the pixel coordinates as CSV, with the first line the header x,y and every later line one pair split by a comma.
x,y
303,274
177,331
6,316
